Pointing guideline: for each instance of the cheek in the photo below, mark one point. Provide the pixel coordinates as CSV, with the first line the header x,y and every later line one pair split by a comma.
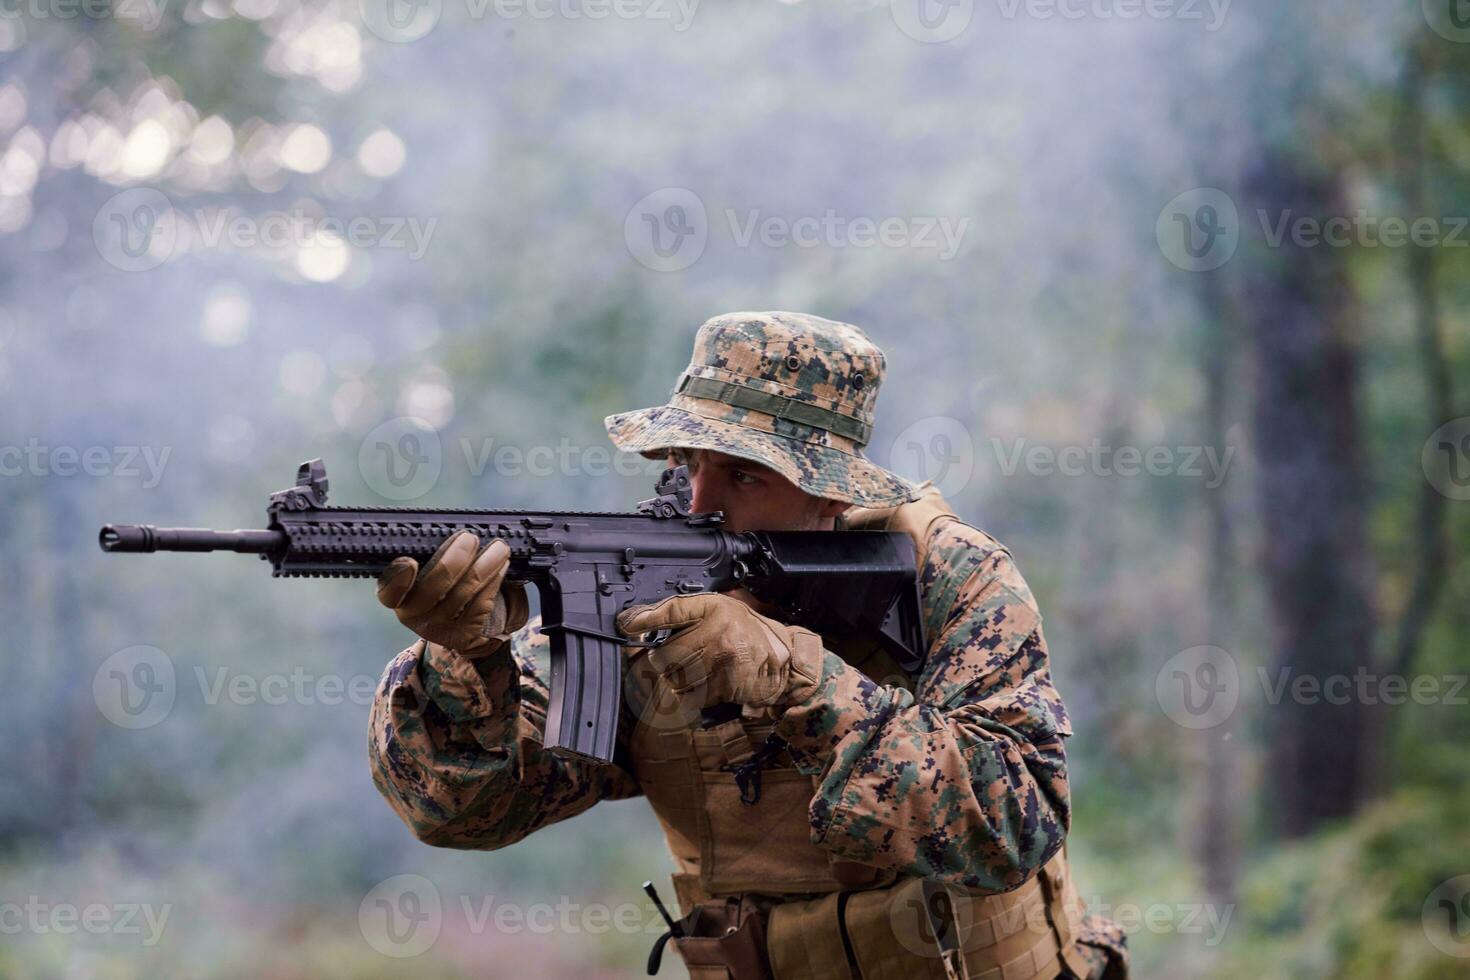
x,y
777,511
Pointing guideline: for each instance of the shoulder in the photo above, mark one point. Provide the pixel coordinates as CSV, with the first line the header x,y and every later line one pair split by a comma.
x,y
959,564
979,611
965,563
951,551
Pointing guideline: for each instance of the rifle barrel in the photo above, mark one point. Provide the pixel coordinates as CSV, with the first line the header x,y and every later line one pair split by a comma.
x,y
144,538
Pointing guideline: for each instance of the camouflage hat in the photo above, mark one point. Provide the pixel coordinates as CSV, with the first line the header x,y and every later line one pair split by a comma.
x,y
788,390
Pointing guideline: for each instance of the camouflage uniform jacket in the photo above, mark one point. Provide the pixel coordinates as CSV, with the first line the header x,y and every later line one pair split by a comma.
x,y
964,780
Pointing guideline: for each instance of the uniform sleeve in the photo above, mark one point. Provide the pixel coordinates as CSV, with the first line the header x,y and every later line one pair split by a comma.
x,y
967,782
456,749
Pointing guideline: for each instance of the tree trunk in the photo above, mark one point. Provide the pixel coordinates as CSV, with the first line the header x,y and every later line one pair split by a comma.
x,y
1315,557
1217,819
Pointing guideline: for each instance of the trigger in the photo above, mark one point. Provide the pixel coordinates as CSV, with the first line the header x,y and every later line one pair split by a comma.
x,y
659,638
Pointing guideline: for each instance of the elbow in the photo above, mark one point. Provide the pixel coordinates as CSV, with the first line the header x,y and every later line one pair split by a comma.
x,y
988,862
456,831
1023,842
457,838
997,845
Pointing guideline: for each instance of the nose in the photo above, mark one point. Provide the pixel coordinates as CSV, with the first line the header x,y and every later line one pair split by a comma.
x,y
705,500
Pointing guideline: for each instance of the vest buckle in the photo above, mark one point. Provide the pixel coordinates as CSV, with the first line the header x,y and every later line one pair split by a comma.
x,y
748,772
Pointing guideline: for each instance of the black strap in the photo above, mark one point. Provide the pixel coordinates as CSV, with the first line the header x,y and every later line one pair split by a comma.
x,y
748,773
656,955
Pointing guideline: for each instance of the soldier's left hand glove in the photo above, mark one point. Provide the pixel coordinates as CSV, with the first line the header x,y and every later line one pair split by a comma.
x,y
725,651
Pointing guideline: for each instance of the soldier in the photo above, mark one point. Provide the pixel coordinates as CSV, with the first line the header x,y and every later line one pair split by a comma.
x,y
828,815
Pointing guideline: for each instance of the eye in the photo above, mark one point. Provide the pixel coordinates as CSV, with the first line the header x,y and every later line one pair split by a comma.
x,y
683,457
743,478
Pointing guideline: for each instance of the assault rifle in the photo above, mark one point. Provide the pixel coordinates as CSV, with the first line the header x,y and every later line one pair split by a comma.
x,y
588,567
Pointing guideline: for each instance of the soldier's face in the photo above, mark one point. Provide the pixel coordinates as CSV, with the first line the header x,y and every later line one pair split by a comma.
x,y
753,497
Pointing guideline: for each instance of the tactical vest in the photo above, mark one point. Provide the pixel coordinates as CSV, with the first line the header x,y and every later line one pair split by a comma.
x,y
734,811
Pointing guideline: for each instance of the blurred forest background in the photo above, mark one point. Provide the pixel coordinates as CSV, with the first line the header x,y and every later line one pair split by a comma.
x,y
1133,291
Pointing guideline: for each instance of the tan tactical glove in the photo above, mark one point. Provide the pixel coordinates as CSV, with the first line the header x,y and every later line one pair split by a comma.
x,y
725,651
456,600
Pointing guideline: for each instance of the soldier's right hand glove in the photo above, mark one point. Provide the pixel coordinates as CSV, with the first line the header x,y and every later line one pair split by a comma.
x,y
725,651
457,600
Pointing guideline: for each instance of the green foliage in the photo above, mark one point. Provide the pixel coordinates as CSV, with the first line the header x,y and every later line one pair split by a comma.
x,y
1350,903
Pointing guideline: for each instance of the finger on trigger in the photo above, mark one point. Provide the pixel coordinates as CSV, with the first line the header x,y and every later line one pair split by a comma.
x,y
675,611
451,562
